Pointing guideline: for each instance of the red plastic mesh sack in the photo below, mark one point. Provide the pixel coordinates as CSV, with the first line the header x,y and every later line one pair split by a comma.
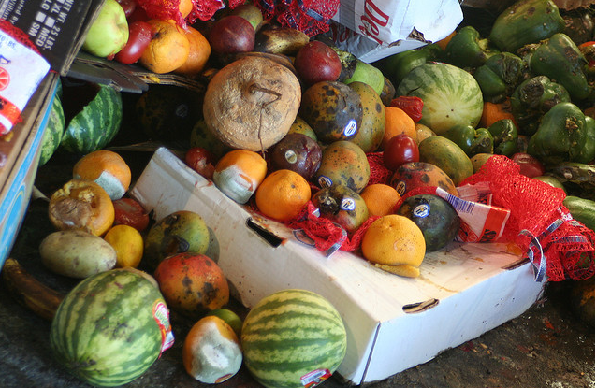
x,y
308,16
558,247
168,9
18,34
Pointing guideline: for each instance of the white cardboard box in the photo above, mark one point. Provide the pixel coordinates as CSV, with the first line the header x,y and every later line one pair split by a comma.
x,y
392,323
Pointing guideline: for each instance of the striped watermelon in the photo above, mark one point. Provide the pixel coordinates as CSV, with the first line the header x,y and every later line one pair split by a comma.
x,y
110,328
293,338
96,124
451,96
53,133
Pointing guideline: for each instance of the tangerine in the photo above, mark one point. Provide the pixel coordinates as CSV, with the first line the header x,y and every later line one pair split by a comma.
x,y
397,123
394,240
168,49
106,168
238,174
381,199
199,52
282,195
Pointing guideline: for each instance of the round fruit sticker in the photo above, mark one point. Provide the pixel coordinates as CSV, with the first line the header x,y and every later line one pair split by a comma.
x,y
324,181
291,156
348,203
401,187
4,78
421,211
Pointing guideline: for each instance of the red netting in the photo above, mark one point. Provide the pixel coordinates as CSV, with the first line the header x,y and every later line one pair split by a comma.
x,y
168,9
559,247
379,172
18,34
308,16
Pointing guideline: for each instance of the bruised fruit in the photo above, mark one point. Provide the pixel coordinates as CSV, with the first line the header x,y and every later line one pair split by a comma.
x,y
415,175
333,110
192,283
211,351
302,127
371,131
298,153
239,173
342,205
251,103
436,218
181,231
344,163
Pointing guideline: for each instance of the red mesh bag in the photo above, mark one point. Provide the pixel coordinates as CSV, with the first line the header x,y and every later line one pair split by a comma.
x,y
308,16
18,34
168,9
559,247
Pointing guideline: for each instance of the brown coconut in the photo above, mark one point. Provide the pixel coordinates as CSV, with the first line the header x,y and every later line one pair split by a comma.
x,y
251,103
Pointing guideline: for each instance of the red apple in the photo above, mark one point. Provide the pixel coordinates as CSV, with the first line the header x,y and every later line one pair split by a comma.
x,y
128,211
232,34
399,150
316,62
529,166
200,160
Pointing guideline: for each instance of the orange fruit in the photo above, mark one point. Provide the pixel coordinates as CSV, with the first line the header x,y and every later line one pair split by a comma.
x,y
128,244
282,195
168,49
444,42
211,351
394,240
107,169
82,204
381,199
185,7
398,122
238,173
199,52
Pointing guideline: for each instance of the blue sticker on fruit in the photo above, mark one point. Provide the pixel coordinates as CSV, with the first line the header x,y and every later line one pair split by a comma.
x,y
348,203
421,211
350,129
324,181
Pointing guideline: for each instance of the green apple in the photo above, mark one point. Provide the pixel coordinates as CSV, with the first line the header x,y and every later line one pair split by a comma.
x,y
108,32
368,74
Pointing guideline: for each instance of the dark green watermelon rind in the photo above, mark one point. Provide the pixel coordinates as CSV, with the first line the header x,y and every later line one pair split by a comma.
x,y
290,334
104,331
97,123
54,132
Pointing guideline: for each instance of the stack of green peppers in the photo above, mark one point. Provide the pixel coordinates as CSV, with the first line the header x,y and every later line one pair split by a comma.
x,y
499,138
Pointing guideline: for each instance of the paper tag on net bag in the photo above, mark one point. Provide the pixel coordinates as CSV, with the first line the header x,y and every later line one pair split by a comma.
x,y
21,71
479,220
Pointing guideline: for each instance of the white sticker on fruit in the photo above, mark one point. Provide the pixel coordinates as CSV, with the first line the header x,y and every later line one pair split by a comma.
x,y
318,376
351,128
21,71
421,211
160,315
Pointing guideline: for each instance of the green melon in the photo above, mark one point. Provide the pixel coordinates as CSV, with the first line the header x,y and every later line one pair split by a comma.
x,y
53,133
96,123
109,329
290,334
451,96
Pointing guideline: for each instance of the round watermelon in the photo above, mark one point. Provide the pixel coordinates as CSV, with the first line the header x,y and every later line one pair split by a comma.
x,y
451,96
293,338
111,327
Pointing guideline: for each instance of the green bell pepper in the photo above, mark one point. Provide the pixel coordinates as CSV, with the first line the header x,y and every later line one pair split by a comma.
x,y
500,75
558,58
505,137
466,48
563,135
472,141
524,22
532,99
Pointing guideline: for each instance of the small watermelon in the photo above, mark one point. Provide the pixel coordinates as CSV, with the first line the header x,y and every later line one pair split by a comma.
x,y
111,327
53,133
292,339
91,126
451,96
